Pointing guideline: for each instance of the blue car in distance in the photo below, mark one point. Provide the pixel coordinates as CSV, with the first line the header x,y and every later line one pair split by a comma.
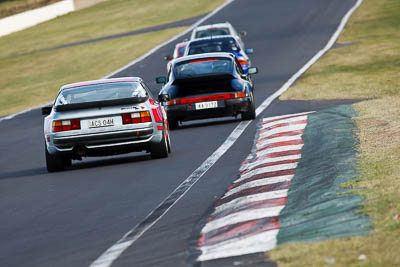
x,y
225,43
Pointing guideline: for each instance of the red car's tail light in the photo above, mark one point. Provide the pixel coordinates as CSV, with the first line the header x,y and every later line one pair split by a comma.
x,y
136,117
66,125
205,98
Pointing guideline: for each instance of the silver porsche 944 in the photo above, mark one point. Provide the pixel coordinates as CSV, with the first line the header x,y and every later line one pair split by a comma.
x,y
104,117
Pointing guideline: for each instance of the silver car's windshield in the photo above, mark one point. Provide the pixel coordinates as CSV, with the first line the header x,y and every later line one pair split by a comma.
x,y
203,66
100,92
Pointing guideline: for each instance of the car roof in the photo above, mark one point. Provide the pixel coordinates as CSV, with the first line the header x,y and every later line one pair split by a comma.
x,y
216,25
203,55
102,81
212,38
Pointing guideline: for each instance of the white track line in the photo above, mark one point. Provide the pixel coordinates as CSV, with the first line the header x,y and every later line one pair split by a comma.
x,y
252,244
111,254
283,129
273,168
275,140
265,120
242,216
252,198
290,120
278,149
269,160
260,182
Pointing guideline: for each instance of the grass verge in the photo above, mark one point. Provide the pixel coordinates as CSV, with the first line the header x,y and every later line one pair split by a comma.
x,y
368,68
31,80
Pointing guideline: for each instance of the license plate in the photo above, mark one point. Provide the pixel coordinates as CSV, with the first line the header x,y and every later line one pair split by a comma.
x,y
206,105
103,122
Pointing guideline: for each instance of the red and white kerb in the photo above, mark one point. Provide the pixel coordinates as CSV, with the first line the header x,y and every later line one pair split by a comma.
x,y
246,219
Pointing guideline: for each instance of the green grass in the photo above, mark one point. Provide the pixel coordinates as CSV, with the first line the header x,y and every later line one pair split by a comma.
x,y
32,80
370,68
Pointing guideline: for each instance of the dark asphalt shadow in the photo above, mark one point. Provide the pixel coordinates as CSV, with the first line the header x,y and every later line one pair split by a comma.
x,y
117,160
207,123
23,173
78,165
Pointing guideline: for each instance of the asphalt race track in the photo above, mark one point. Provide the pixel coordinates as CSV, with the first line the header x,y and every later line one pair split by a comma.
x,y
70,218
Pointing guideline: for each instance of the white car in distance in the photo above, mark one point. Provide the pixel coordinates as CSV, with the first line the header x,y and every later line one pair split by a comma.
x,y
216,30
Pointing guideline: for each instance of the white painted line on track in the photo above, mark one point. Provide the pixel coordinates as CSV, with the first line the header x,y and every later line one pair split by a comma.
x,y
111,254
276,140
252,198
269,124
283,129
278,149
242,216
269,119
268,160
279,139
268,169
256,243
260,182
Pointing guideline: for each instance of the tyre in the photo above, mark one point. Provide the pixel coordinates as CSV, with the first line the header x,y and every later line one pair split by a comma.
x,y
251,113
160,150
67,161
55,163
173,124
